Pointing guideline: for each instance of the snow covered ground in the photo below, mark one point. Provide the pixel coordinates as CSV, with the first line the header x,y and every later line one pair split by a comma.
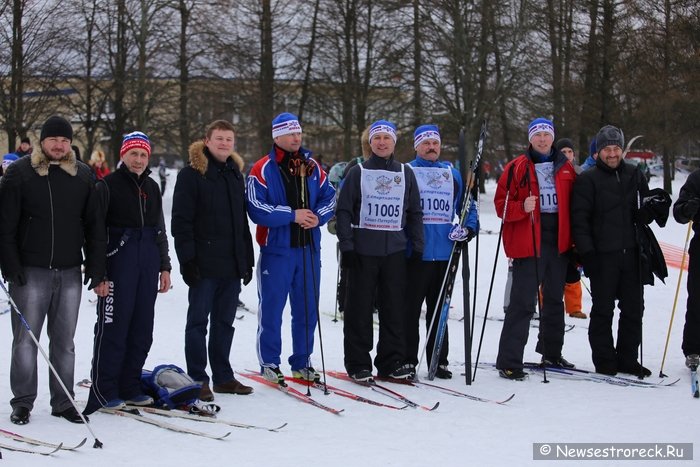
x,y
460,432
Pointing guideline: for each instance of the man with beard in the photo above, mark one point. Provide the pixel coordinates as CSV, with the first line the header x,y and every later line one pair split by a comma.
x,y
48,213
441,189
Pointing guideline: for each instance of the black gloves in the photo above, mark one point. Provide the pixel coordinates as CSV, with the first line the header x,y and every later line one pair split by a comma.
x,y
94,282
348,260
416,256
655,207
470,234
690,208
17,278
247,277
589,262
190,273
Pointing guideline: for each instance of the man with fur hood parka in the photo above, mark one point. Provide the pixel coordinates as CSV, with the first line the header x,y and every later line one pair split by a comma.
x,y
48,213
215,251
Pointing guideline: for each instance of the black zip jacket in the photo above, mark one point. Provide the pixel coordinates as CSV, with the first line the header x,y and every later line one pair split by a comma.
x,y
129,201
377,242
48,213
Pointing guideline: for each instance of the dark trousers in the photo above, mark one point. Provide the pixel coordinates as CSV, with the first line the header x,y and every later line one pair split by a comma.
x,y
551,268
691,330
426,282
124,328
388,273
215,300
615,276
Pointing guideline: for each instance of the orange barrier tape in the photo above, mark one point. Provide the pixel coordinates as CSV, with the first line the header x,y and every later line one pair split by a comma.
x,y
674,255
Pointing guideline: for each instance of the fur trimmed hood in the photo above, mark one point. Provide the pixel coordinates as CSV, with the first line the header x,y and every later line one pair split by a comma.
x,y
199,162
40,163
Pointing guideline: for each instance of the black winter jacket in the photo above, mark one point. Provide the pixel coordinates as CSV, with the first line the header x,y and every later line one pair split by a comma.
x,y
48,213
604,208
377,242
132,202
689,190
209,220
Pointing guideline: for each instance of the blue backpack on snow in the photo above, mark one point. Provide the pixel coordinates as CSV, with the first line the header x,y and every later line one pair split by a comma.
x,y
170,386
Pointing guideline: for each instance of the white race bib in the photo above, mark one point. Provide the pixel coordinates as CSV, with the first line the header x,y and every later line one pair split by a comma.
x,y
382,199
548,191
436,186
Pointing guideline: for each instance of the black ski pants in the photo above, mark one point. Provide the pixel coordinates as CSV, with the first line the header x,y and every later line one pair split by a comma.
x,y
551,269
387,275
426,282
691,330
615,276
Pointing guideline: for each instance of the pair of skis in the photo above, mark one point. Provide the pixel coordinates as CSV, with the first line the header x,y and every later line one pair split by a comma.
x,y
296,394
53,447
442,308
579,374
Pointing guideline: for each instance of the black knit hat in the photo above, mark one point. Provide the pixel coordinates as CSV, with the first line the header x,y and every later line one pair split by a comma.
x,y
26,140
609,136
56,126
564,143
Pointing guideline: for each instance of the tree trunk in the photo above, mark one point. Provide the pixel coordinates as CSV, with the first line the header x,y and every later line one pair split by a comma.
x,y
183,118
309,61
267,79
417,66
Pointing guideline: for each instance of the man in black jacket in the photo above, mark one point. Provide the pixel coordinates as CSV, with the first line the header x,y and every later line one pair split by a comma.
x,y
606,208
685,210
215,250
378,212
138,266
48,213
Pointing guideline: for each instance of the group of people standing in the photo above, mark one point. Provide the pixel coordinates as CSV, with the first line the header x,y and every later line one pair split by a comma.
x,y
396,225
552,218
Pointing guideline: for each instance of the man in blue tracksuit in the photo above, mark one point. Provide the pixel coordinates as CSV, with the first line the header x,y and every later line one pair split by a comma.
x,y
289,198
138,266
441,189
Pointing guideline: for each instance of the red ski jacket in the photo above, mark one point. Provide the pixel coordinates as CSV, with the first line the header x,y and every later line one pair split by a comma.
x,y
511,194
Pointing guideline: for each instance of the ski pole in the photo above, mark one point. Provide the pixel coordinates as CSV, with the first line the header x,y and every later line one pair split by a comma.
x,y
493,273
337,282
675,299
537,274
97,443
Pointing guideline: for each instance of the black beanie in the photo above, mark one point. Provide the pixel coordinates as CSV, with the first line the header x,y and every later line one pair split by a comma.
x,y
564,143
56,126
25,140
609,136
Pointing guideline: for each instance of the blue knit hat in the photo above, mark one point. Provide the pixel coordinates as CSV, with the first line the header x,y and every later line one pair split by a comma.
x,y
540,125
425,132
382,126
8,159
592,149
285,124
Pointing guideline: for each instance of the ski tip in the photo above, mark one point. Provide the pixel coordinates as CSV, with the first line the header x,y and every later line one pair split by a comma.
x,y
278,428
58,448
430,409
80,444
223,436
503,402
